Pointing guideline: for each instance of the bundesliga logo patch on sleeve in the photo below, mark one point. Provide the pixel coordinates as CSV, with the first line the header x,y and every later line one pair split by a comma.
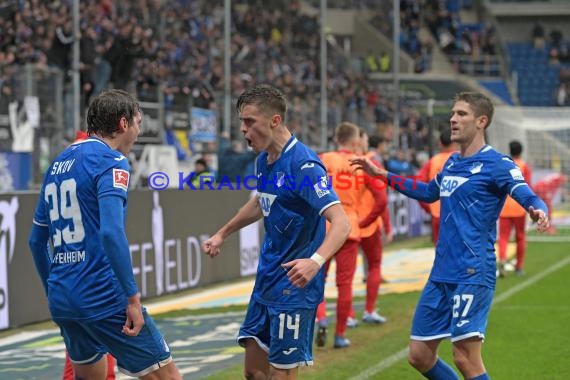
x,y
517,174
121,179
322,187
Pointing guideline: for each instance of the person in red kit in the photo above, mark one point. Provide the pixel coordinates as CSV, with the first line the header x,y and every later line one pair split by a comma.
x,y
428,172
80,136
349,185
546,188
514,216
371,245
68,369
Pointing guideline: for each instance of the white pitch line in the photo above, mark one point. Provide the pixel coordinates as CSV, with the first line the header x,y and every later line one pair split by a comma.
x,y
25,336
377,368
525,284
392,359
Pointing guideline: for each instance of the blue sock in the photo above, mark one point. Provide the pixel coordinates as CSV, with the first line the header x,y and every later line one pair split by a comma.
x,y
481,377
441,371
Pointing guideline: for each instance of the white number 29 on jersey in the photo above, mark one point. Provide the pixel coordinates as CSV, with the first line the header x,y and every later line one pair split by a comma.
x,y
67,208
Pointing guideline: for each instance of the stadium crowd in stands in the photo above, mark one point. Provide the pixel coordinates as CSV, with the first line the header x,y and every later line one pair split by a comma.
x,y
469,46
176,47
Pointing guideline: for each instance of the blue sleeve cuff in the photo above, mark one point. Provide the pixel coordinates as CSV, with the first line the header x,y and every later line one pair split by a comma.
x,y
411,187
526,198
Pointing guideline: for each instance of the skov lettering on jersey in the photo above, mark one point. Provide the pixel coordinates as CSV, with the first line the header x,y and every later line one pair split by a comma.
x,y
449,184
61,167
265,201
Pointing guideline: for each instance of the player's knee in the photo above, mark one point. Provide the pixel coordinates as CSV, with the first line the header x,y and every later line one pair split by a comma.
x,y
419,360
461,360
253,374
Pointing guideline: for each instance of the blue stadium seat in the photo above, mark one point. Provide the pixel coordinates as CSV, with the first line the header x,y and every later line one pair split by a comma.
x,y
499,88
537,79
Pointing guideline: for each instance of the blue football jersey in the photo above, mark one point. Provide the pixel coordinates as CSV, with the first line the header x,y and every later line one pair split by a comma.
x,y
472,191
81,282
292,192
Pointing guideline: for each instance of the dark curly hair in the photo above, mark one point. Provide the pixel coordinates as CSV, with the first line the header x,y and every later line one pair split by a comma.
x,y
107,109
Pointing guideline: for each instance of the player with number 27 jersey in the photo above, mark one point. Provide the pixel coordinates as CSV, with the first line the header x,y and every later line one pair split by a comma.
x,y
484,180
80,275
472,191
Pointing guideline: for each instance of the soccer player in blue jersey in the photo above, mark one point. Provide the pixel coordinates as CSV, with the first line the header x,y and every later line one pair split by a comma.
x,y
87,272
472,188
294,197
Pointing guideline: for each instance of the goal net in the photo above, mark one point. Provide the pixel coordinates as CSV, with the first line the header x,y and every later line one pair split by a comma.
x,y
545,136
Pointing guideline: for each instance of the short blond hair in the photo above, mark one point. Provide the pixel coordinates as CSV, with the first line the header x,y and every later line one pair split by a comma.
x,y
346,132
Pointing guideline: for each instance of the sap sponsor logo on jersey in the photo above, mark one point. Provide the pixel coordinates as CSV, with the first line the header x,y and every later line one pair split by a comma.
x,y
265,201
322,187
516,174
121,179
449,184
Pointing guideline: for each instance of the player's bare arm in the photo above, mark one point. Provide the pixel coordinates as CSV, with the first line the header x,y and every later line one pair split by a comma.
x,y
540,218
249,213
301,271
368,166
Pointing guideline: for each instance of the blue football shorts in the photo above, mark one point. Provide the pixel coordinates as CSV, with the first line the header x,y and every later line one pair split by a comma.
x,y
285,333
88,341
456,311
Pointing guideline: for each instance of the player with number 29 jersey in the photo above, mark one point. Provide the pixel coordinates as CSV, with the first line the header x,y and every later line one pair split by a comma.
x,y
81,283
87,274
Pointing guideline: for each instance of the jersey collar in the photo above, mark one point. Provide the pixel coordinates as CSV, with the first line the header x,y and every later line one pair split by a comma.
x,y
290,144
96,139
